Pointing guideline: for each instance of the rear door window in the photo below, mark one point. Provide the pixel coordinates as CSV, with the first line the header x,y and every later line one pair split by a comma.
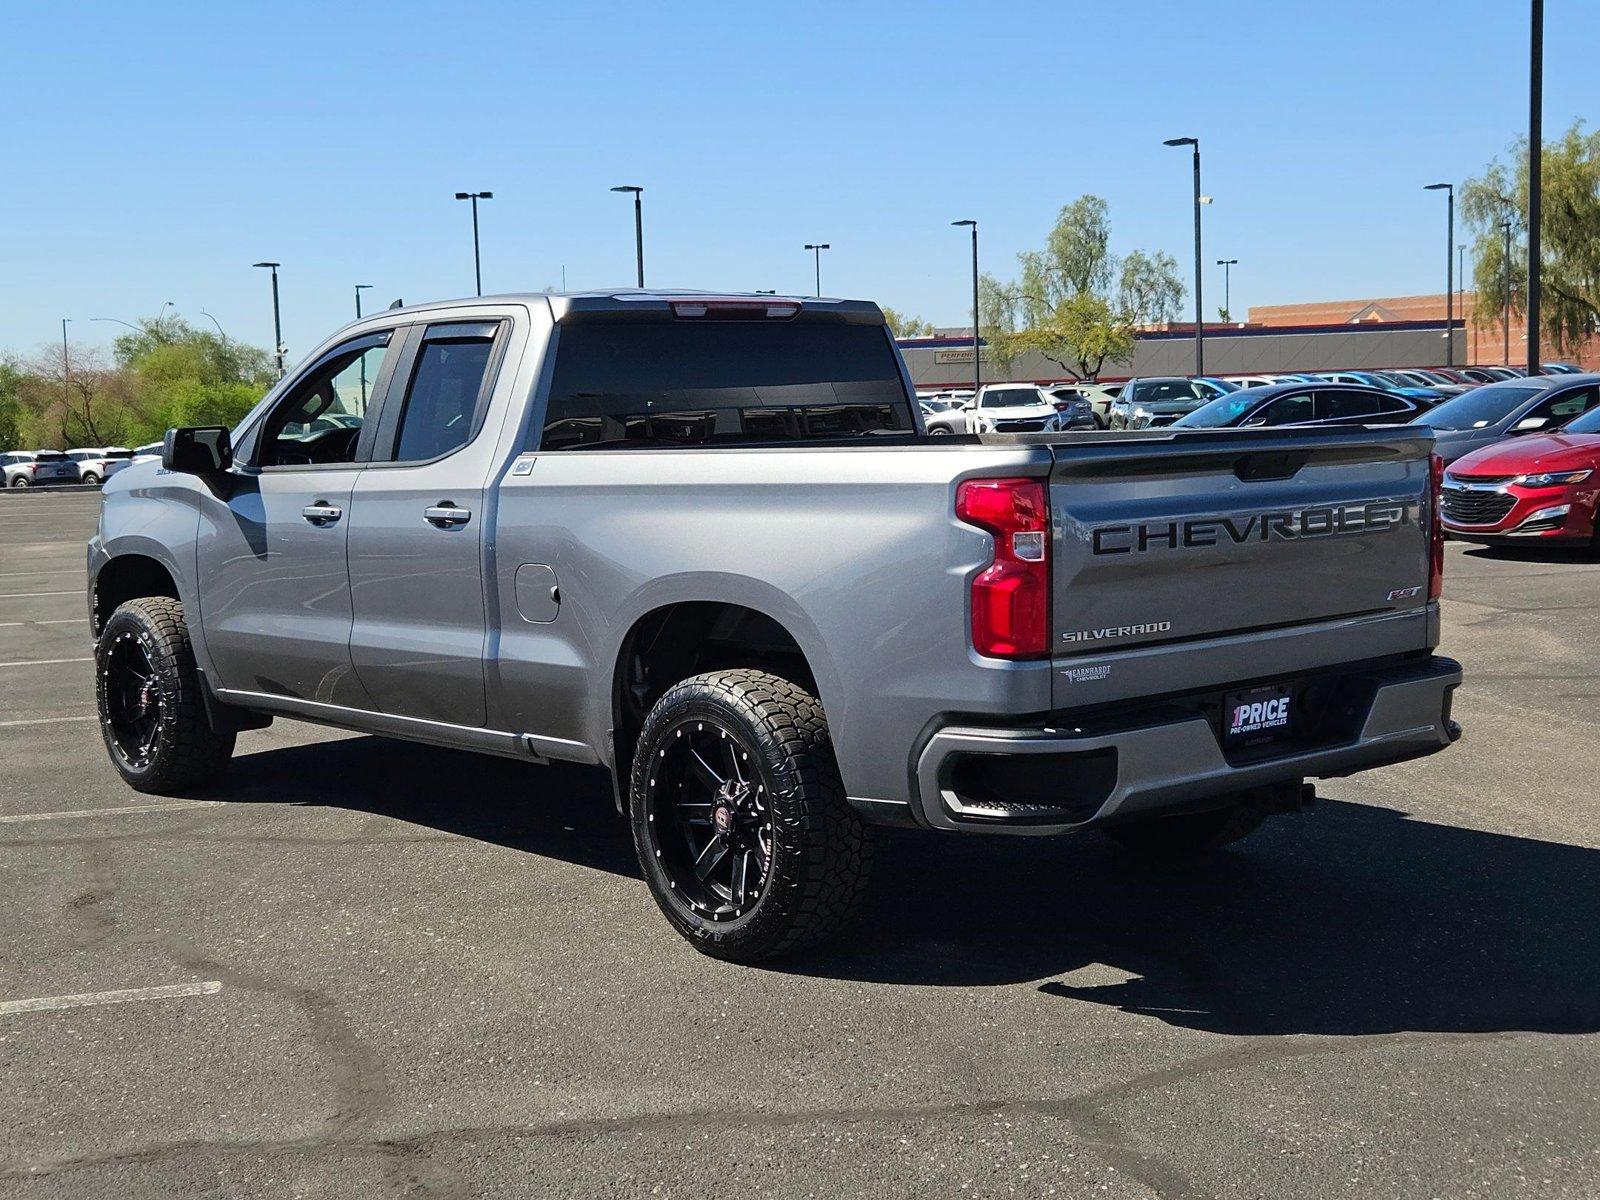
x,y
636,383
1335,404
1286,410
1560,409
446,391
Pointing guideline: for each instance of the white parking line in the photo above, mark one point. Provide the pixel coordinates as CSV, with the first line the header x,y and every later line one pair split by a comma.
x,y
34,595
44,662
54,621
44,721
41,571
79,814
85,999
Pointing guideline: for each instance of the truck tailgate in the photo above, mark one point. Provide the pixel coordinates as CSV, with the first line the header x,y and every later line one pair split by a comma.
x,y
1194,536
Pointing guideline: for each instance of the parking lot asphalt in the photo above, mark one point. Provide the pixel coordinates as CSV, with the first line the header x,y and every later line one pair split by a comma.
x,y
389,970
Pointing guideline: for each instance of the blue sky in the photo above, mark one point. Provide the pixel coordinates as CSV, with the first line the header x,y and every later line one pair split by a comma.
x,y
152,152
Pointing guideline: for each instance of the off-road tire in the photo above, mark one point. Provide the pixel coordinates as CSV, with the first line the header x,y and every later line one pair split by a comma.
x,y
1184,837
187,752
822,851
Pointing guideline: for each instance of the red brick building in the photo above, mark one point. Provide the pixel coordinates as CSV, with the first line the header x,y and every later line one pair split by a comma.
x,y
1485,343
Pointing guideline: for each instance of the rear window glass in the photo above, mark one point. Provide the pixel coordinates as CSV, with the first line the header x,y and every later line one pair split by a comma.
x,y
668,383
49,456
1478,408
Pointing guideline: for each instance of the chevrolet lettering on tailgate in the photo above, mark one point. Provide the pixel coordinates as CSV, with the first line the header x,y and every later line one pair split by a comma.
x,y
1286,525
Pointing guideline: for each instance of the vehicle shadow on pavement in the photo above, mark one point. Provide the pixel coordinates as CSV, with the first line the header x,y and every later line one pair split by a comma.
x,y
1350,919
1536,554
563,810
1347,920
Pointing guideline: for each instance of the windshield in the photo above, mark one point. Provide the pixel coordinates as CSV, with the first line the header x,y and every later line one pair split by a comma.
x,y
655,383
1589,422
1009,398
1224,410
1159,391
1479,408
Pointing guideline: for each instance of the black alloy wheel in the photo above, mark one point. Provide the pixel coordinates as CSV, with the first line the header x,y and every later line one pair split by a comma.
x,y
711,816
134,706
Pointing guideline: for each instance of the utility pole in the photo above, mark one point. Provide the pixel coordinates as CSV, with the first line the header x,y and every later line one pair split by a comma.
x,y
1227,265
1199,304
817,248
277,319
1505,310
1449,189
477,262
66,366
359,288
638,230
1535,179
977,362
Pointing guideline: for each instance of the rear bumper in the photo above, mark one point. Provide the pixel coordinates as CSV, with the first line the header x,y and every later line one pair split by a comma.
x,y
1105,774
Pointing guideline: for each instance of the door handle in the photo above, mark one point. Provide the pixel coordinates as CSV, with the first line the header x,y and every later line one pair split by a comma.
x,y
447,515
322,513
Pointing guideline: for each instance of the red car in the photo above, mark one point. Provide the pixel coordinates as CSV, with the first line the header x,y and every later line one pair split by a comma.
x,y
1532,488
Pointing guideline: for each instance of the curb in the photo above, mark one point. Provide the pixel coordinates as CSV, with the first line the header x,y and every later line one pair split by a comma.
x,y
68,489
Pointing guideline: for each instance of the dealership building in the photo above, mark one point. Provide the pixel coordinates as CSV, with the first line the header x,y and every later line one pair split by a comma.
x,y
1396,331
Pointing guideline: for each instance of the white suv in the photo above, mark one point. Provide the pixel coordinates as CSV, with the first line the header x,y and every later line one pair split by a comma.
x,y
95,465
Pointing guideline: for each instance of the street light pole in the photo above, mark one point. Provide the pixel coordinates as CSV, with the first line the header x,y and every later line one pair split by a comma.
x,y
638,228
359,288
977,362
1535,178
477,262
1505,308
1461,295
1227,264
66,365
277,319
1449,190
1199,304
817,248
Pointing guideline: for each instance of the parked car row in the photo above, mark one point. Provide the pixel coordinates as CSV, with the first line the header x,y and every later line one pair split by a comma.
x,y
1011,408
1521,452
56,468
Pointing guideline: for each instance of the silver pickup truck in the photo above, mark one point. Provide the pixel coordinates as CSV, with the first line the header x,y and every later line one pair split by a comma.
x,y
704,542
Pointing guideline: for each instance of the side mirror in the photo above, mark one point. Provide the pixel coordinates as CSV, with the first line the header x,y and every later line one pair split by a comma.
x,y
197,450
1529,425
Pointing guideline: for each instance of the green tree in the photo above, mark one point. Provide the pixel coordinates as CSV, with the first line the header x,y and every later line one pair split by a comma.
x,y
1569,271
905,326
11,411
1062,306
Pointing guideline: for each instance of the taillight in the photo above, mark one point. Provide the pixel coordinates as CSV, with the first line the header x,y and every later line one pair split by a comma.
x,y
1436,533
1011,596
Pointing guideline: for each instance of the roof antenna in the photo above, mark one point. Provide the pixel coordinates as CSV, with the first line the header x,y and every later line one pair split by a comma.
x,y
398,304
